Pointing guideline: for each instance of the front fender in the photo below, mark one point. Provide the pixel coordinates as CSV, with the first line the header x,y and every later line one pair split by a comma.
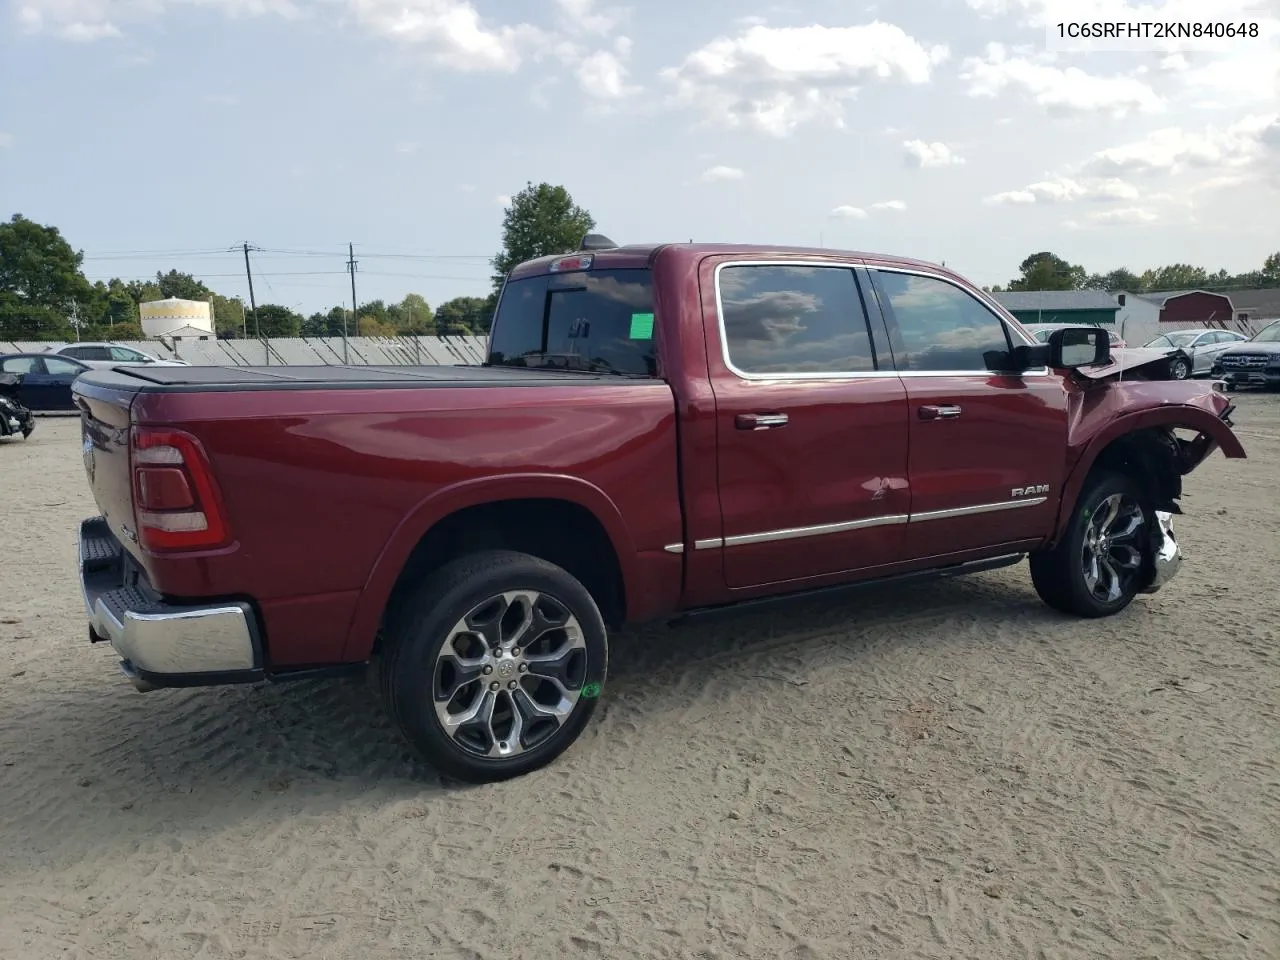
x,y
1206,416
471,493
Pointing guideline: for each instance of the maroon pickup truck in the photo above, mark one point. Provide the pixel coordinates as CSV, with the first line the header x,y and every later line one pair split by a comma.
x,y
659,430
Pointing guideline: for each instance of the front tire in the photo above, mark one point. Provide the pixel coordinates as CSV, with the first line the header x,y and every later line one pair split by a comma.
x,y
1100,563
492,666
1180,369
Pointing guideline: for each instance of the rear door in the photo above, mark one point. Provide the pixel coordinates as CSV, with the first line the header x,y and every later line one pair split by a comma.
x,y
59,373
988,449
811,433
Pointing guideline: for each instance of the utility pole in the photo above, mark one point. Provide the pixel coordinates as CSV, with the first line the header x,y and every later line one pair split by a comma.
x,y
351,269
253,304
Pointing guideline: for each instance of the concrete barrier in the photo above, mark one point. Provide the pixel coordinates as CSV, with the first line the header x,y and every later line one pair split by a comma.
x,y
298,351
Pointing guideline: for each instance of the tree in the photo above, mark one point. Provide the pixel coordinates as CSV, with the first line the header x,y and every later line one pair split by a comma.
x,y
1178,276
40,280
329,324
1271,270
413,316
1121,279
462,316
230,316
541,220
273,320
181,285
1046,271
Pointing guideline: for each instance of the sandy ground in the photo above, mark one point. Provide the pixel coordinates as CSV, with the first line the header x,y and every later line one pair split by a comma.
x,y
947,770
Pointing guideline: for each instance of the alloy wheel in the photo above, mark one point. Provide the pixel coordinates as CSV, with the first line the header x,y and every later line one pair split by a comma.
x,y
510,674
1112,548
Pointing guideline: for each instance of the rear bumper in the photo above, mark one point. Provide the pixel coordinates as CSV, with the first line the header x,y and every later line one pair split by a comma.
x,y
162,644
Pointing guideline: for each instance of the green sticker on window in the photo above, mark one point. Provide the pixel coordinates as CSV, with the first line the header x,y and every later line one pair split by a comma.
x,y
642,326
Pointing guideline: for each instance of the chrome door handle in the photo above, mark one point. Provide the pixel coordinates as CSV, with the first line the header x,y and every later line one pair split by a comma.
x,y
945,411
760,421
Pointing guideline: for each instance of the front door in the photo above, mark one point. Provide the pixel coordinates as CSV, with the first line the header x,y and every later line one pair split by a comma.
x,y
988,449
811,436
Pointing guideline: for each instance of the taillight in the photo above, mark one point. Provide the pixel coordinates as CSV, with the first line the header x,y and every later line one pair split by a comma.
x,y
174,491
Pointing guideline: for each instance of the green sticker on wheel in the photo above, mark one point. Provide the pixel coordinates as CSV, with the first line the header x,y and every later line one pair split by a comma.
x,y
591,690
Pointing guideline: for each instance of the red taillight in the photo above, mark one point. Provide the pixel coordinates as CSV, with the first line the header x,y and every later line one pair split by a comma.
x,y
174,491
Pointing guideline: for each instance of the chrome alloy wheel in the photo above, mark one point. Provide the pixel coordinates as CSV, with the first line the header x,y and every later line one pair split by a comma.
x,y
510,674
1112,548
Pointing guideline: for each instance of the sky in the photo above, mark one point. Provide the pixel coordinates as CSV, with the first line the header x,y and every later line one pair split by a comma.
x,y
162,134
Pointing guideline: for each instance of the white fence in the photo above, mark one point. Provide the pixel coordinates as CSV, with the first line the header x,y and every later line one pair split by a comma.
x,y
299,351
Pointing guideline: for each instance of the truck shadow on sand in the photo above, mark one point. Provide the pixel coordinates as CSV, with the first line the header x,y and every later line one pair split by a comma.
x,y
221,756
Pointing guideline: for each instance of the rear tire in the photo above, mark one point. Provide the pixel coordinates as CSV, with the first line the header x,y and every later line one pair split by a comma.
x,y
1103,558
492,666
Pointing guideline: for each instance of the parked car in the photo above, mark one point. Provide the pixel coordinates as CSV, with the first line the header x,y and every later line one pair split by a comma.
x,y
46,380
1176,365
1254,363
104,356
659,431
1041,332
1202,346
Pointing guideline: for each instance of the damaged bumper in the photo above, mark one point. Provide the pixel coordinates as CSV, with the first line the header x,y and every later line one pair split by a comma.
x,y
162,644
1166,555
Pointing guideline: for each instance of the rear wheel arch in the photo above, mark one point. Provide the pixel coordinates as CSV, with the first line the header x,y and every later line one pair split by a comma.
x,y
557,527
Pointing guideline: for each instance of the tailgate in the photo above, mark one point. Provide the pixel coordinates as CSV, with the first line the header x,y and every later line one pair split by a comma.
x,y
104,399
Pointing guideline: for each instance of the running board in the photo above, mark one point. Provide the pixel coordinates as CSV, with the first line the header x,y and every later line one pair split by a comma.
x,y
934,573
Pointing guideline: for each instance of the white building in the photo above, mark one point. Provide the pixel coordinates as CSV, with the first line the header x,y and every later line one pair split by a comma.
x,y
175,318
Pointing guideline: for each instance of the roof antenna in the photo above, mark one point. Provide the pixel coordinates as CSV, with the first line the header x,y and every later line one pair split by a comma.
x,y
596,241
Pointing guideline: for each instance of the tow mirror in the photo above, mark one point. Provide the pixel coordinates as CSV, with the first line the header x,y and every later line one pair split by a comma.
x,y
1072,347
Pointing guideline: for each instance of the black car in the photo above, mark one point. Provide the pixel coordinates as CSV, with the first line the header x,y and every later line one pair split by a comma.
x,y
1254,363
46,379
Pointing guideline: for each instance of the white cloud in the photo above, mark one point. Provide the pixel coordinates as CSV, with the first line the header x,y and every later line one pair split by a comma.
x,y
921,154
1059,90
714,174
603,75
584,16
895,205
1125,215
1059,189
1174,149
773,79
89,20
503,200
846,212
450,32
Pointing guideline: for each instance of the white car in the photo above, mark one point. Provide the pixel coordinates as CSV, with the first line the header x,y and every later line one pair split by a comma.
x,y
105,356
1041,331
1202,346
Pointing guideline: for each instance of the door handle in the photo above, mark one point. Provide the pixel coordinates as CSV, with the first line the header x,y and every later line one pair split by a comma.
x,y
760,421
945,411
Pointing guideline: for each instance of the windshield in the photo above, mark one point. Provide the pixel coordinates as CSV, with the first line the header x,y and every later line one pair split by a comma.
x,y
1269,334
600,320
1175,339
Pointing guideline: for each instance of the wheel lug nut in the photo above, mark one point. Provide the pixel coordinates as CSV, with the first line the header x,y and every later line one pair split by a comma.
x,y
511,685
488,670
524,668
515,652
494,685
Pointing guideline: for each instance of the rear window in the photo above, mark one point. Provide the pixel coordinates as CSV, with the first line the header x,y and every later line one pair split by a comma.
x,y
598,320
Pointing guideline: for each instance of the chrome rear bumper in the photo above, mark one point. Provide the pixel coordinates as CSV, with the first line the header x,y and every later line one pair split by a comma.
x,y
162,644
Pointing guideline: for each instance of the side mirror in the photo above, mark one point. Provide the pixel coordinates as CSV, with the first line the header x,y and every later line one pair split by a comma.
x,y
1072,347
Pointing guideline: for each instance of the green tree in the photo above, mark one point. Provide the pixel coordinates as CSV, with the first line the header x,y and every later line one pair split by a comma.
x,y
541,220
273,320
230,316
414,317
40,281
1121,279
181,285
329,324
1271,270
1178,276
144,291
1047,271
462,316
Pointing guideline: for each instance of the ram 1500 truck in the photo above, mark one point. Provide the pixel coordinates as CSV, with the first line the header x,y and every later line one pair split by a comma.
x,y
658,430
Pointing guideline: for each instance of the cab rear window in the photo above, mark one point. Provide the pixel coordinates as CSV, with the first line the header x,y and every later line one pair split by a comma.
x,y
595,320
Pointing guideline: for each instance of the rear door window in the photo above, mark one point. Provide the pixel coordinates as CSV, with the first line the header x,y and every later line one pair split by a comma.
x,y
801,319
596,320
